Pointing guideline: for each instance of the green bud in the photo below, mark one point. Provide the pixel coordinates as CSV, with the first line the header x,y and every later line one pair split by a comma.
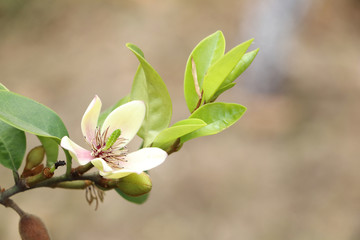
x,y
135,184
32,228
34,157
112,139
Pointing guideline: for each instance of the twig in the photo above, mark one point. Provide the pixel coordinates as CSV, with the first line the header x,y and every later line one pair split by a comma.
x,y
11,204
22,186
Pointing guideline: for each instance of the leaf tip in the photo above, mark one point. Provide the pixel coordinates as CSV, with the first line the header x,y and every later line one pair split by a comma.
x,y
135,49
2,87
245,108
250,41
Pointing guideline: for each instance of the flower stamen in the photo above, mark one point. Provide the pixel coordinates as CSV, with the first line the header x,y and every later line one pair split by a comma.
x,y
110,149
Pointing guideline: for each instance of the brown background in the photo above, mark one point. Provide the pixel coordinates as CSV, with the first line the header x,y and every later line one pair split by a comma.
x,y
289,169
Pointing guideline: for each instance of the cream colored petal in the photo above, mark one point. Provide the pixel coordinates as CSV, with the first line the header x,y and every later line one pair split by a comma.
x,y
82,155
100,164
116,174
144,159
90,119
128,118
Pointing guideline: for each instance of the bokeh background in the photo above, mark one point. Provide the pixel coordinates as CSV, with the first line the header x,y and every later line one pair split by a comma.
x,y
289,169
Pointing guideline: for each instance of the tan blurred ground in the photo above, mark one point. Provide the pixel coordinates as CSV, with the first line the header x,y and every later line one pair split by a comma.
x,y
289,169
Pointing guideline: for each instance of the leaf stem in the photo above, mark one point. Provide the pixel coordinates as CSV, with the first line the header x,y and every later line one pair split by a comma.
x,y
68,163
16,176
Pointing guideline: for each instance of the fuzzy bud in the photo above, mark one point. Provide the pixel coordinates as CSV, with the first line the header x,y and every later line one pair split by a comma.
x,y
135,184
34,157
32,228
33,160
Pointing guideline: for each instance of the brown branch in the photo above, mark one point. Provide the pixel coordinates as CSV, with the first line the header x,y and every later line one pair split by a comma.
x,y
11,204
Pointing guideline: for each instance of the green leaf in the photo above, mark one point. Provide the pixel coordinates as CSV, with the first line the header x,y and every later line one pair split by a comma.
x,y
219,71
150,88
12,146
105,113
241,66
221,90
30,116
51,150
138,200
135,49
168,136
205,54
217,116
2,87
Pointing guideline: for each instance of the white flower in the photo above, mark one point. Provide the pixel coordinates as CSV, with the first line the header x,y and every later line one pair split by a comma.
x,y
108,143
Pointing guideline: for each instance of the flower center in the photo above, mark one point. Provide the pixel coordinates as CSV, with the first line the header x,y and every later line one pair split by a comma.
x,y
109,148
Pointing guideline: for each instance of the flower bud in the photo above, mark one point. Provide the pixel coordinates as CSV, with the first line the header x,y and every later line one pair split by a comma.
x,y
32,228
33,160
34,157
135,184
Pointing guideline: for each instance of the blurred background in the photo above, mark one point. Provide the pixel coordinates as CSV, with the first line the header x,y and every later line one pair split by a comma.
x,y
289,169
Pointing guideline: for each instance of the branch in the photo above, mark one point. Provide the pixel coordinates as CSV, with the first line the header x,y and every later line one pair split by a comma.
x,y
11,204
59,181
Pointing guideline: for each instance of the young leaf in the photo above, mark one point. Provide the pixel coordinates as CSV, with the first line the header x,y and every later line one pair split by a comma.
x,y
205,54
221,90
138,200
219,71
168,136
150,88
105,113
30,116
12,146
241,66
217,116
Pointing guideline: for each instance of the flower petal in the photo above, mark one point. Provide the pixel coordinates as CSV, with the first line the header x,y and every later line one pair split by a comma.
x,y
100,164
128,118
144,159
137,162
82,155
90,119
116,174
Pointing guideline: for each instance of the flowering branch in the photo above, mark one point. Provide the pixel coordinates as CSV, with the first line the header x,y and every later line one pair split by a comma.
x,y
145,112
